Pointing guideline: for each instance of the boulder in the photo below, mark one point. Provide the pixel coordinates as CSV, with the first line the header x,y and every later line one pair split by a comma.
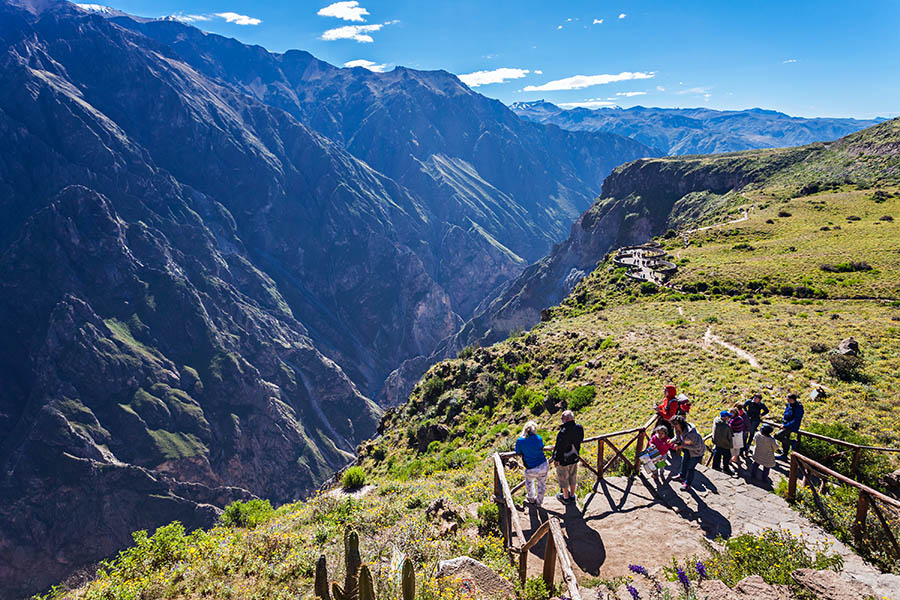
x,y
828,585
848,347
892,482
474,578
430,433
448,515
756,588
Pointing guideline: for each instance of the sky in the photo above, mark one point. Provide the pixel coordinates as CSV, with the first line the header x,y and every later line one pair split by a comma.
x,y
805,58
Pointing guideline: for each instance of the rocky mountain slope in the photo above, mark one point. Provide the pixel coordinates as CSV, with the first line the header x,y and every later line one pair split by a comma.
x,y
678,131
201,294
647,197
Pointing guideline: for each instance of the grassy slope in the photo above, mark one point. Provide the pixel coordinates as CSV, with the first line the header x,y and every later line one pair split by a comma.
x,y
627,345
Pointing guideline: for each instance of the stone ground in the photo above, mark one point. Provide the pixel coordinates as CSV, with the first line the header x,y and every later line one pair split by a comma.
x,y
631,521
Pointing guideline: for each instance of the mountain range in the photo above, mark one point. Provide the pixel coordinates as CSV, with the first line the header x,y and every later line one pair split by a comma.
x,y
679,131
213,256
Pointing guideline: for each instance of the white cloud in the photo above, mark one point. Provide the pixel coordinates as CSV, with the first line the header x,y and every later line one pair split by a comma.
x,y
559,26
577,82
538,72
237,19
630,94
598,21
660,88
621,15
496,76
590,103
366,64
190,18
360,33
790,60
348,11
696,91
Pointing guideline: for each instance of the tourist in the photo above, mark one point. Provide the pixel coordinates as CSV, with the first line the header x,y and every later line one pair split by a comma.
x,y
688,439
738,424
790,423
566,456
663,444
723,438
763,452
667,409
754,410
531,447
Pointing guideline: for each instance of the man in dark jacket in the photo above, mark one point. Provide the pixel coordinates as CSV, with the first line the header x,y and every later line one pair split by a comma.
x,y
790,422
565,456
755,410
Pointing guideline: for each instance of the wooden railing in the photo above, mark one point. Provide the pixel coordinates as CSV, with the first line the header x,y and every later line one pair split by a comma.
x,y
857,449
516,544
802,466
556,549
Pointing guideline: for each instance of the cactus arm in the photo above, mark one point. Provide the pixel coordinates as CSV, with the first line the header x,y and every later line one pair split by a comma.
x,y
321,588
366,586
408,580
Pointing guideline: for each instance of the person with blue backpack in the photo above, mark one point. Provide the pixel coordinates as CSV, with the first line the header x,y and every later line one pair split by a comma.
x,y
530,446
790,423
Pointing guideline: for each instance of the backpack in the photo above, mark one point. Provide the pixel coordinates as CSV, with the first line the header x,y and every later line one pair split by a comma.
x,y
684,404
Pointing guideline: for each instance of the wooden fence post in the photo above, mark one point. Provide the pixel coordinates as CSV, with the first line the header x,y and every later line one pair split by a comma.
x,y
600,462
859,525
550,562
792,480
638,449
854,467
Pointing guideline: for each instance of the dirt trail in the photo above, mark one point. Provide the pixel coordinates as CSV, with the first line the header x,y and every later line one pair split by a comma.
x,y
732,222
711,338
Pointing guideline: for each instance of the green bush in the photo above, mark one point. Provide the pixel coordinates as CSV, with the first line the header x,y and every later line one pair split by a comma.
x,y
537,406
581,396
872,465
846,367
773,555
354,477
648,287
534,589
466,352
247,514
525,397
432,388
488,516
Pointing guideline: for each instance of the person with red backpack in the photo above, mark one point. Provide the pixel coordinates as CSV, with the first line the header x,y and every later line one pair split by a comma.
x,y
672,404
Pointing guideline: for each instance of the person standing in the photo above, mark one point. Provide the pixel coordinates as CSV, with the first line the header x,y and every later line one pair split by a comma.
x,y
722,440
530,446
667,409
754,410
738,424
763,452
790,423
566,454
689,440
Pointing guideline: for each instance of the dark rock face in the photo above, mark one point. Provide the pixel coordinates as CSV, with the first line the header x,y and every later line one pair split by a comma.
x,y
211,258
680,131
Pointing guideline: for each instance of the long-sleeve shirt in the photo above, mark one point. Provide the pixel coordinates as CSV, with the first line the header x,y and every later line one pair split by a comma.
x,y
793,416
568,443
738,423
755,411
531,447
693,442
662,444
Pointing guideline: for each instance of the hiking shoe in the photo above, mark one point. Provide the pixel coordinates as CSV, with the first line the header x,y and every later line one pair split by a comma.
x,y
570,500
685,487
561,498
678,478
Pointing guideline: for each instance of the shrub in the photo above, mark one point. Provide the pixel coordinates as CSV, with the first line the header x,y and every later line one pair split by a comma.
x,y
606,343
743,246
853,218
556,395
770,221
846,367
794,364
488,516
818,348
670,234
872,465
524,397
783,213
432,388
773,555
846,267
887,218
648,287
581,396
536,407
466,352
355,477
534,589
247,514
880,196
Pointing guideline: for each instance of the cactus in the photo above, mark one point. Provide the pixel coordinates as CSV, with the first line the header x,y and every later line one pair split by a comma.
x,y
359,583
366,586
321,588
352,562
408,580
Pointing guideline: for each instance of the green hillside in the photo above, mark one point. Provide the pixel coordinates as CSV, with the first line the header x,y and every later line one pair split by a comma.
x,y
816,260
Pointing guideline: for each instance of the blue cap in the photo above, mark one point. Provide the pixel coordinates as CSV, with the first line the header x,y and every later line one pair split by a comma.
x,y
724,413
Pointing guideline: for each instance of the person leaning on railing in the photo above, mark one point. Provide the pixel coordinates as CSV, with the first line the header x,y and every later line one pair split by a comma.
x,y
790,423
530,446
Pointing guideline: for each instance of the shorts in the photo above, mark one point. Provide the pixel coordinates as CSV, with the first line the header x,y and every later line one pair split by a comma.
x,y
567,475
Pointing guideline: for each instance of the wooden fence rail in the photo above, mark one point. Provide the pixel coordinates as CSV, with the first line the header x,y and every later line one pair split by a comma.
x,y
868,498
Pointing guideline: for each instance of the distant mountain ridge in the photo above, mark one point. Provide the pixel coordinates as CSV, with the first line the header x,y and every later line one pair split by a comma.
x,y
679,131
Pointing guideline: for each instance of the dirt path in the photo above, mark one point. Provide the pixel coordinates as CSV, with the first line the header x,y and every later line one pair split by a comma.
x,y
711,338
626,522
743,218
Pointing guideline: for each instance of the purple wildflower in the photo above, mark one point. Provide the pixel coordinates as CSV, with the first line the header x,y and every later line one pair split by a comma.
x,y
683,578
633,592
701,569
639,570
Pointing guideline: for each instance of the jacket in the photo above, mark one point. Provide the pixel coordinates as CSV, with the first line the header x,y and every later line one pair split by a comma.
x,y
764,450
662,445
738,424
568,443
531,447
722,435
793,416
693,442
755,411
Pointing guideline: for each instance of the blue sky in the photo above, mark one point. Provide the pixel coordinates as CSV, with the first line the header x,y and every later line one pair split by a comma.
x,y
805,58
